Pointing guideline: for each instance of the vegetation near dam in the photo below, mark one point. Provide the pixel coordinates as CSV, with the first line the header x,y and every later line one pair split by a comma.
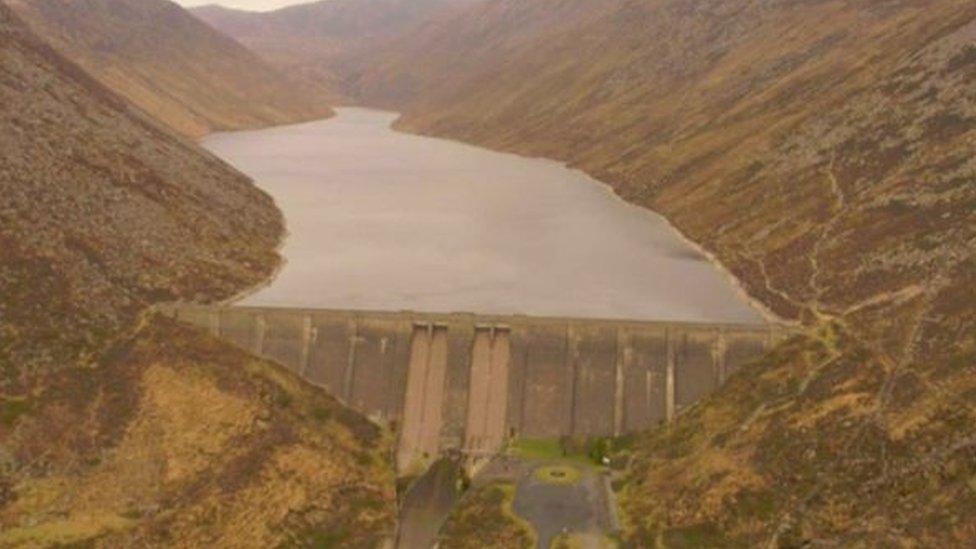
x,y
821,151
122,429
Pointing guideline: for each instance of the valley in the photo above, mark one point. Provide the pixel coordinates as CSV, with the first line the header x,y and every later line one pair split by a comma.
x,y
188,197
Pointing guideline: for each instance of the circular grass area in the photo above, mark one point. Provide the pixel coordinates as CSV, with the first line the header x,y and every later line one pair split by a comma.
x,y
558,474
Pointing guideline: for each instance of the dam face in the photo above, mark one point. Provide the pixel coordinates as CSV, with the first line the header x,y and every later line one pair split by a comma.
x,y
461,382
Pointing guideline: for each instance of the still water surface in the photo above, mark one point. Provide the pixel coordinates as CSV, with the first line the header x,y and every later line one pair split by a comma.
x,y
384,220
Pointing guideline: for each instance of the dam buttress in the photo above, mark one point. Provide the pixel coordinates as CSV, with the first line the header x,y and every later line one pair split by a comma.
x,y
467,383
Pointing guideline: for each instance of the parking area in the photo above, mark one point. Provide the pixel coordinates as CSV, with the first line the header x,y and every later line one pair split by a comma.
x,y
560,498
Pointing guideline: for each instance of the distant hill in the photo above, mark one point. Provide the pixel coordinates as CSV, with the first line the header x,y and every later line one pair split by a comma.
x,y
120,429
167,62
444,57
821,150
323,40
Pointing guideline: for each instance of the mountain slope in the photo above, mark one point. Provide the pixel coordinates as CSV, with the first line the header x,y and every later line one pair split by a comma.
x,y
118,429
822,151
322,40
460,48
171,65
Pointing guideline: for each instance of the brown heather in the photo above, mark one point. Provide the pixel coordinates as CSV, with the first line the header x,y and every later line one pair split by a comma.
x,y
322,40
122,429
484,519
174,67
822,150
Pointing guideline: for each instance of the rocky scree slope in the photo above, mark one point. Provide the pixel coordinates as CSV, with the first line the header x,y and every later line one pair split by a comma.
x,y
120,432
164,60
823,152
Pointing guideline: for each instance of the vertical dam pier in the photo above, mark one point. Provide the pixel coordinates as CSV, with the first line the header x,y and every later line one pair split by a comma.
x,y
468,383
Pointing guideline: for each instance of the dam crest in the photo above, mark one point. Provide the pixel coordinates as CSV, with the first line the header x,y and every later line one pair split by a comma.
x,y
468,383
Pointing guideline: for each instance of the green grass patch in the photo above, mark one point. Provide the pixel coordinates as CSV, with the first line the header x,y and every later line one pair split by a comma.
x,y
321,414
538,448
580,541
584,453
77,531
321,539
695,536
11,410
558,474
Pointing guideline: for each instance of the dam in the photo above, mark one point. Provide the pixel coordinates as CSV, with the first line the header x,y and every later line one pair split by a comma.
x,y
381,220
468,383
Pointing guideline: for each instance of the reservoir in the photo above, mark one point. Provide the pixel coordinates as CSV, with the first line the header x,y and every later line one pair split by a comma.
x,y
382,220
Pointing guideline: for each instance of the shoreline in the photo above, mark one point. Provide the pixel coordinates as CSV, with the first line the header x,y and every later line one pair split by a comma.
x,y
283,261
764,313
738,287
285,233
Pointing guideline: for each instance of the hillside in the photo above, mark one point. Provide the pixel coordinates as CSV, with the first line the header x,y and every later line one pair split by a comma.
x,y
164,60
322,41
118,429
460,48
820,150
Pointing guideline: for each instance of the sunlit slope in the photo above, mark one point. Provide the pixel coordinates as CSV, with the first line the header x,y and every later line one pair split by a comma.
x,y
118,434
193,442
823,152
173,66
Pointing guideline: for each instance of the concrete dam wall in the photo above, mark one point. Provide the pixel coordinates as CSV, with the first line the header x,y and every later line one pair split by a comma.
x,y
469,382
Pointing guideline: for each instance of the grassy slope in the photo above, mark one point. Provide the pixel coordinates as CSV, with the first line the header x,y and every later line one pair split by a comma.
x,y
160,435
823,152
177,438
173,66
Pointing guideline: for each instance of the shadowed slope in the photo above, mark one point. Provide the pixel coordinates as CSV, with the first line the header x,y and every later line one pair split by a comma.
x,y
174,67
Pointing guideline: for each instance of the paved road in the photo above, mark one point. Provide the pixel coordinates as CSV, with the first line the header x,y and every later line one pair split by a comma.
x,y
573,503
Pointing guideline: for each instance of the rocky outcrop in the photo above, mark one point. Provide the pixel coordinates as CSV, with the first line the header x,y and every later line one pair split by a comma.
x,y
178,69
